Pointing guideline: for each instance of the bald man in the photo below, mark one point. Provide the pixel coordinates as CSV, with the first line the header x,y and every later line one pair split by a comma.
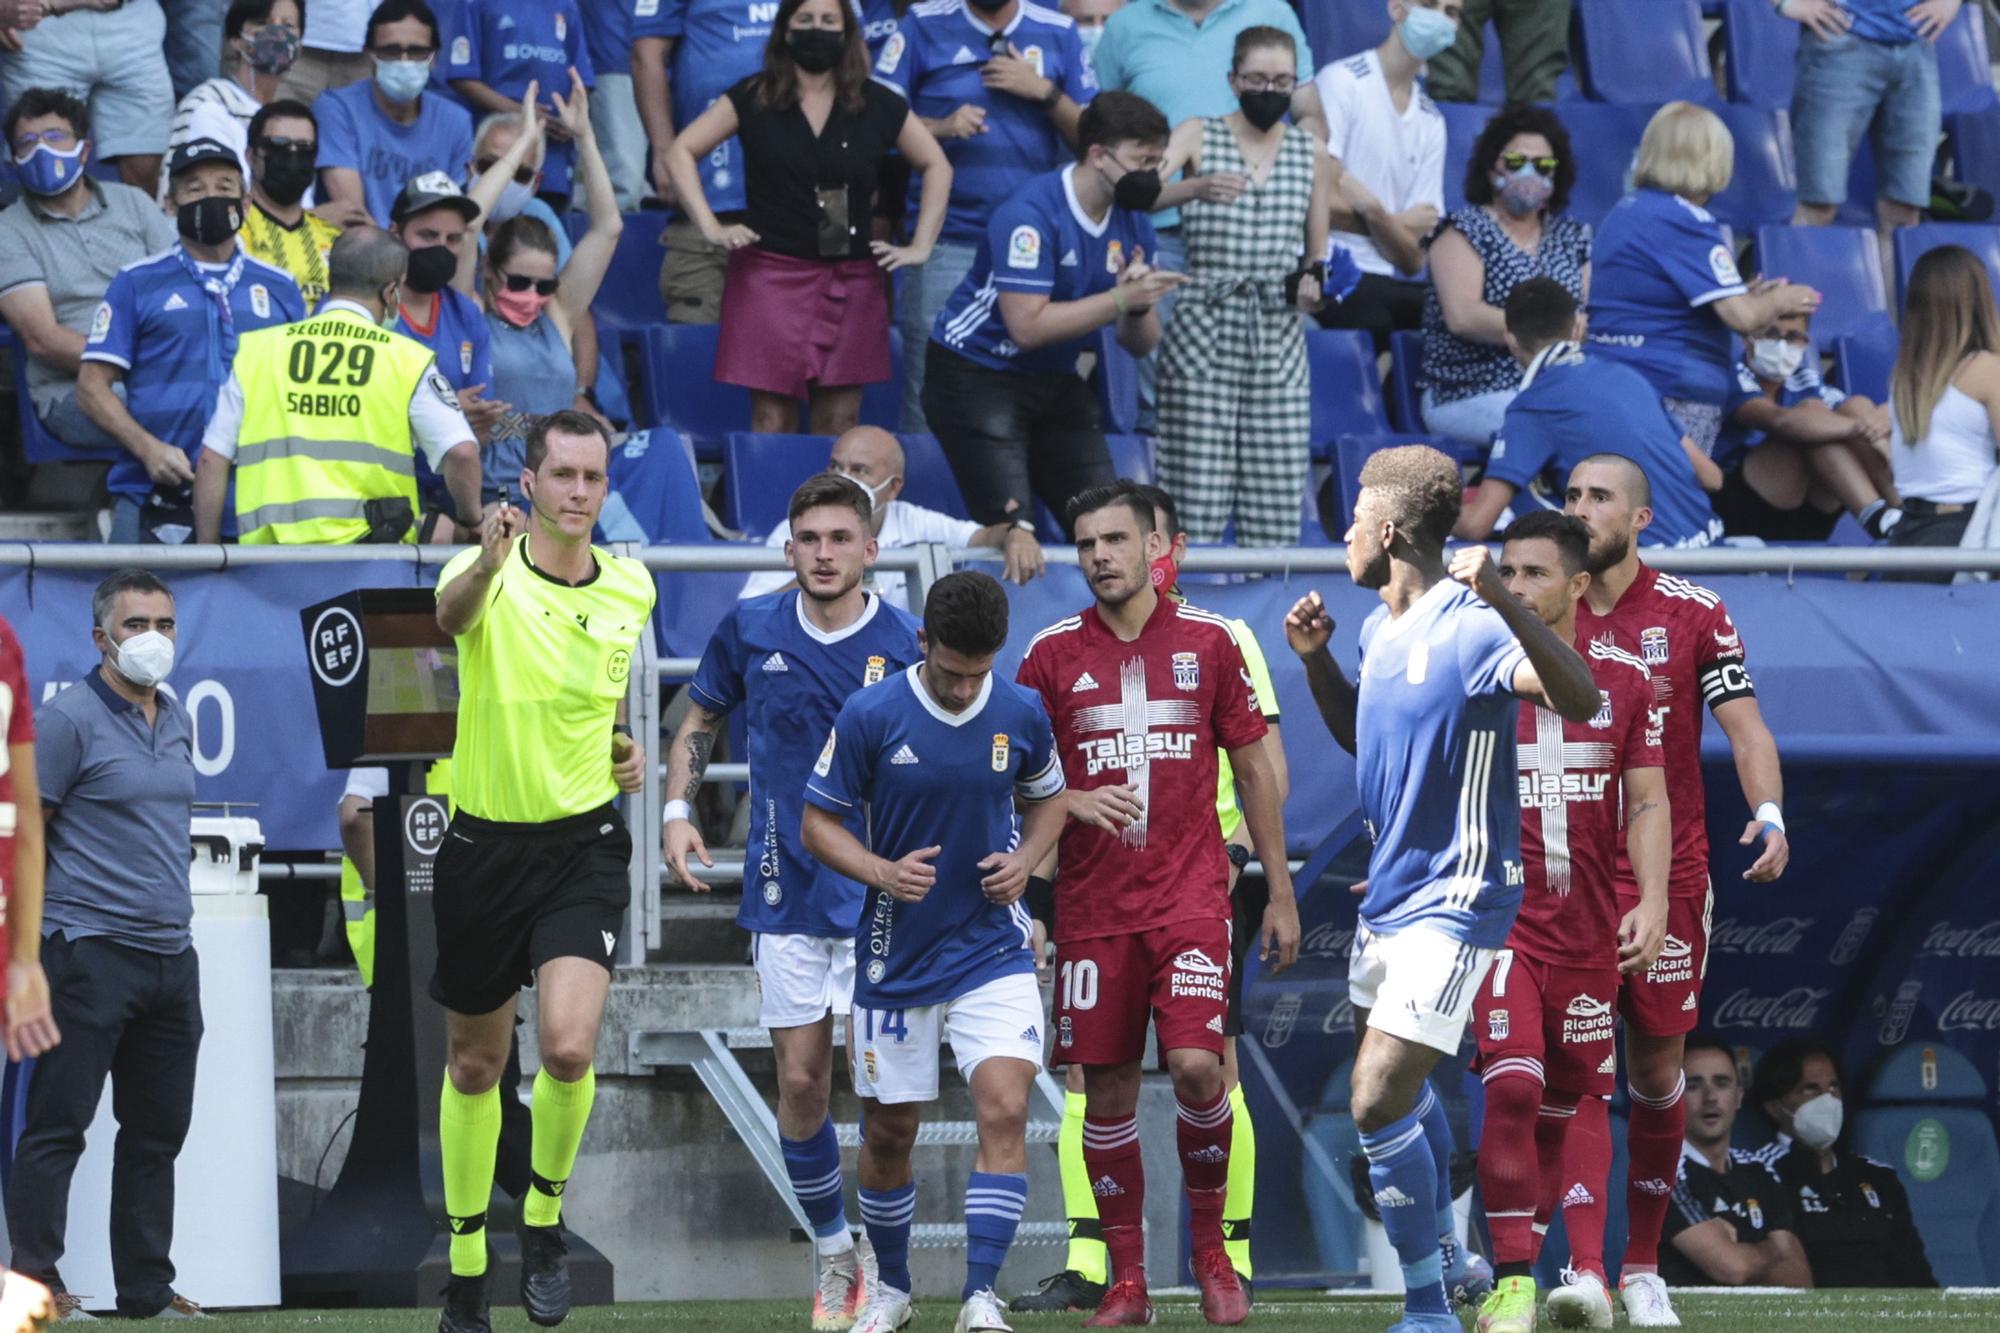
x,y
873,459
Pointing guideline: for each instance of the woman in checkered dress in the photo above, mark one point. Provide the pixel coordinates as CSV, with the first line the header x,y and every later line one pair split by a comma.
x,y
1234,397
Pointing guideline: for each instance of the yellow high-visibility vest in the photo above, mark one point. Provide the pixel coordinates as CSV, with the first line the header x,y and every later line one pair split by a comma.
x,y
326,427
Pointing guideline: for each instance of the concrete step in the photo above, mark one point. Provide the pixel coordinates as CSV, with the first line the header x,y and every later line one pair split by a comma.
x,y
951,1235
953,1133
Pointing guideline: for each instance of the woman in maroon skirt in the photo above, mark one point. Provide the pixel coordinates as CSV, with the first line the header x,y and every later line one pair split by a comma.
x,y
805,309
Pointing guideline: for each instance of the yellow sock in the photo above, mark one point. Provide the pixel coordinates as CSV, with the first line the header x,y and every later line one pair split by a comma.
x,y
1086,1237
1238,1203
560,1112
468,1136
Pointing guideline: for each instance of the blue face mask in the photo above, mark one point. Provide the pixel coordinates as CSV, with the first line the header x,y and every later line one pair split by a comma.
x,y
402,81
1427,32
46,172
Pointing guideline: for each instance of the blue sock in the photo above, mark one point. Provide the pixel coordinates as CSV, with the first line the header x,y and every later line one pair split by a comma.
x,y
887,1215
814,1166
993,1205
1437,1132
1403,1175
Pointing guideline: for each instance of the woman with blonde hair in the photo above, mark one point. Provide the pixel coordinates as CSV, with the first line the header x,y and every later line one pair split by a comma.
x,y
1944,396
1665,295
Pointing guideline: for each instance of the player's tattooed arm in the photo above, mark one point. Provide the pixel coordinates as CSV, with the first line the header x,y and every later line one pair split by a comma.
x,y
687,762
1308,629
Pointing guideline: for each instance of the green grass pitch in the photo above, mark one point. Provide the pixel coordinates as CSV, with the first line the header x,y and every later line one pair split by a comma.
x,y
1277,1312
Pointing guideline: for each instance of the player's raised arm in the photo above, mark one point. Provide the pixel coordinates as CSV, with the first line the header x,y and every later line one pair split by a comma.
x,y
1649,840
462,601
1555,674
1308,629
687,762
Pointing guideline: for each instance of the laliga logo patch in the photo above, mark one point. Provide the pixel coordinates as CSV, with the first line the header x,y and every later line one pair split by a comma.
x,y
825,764
872,675
1000,745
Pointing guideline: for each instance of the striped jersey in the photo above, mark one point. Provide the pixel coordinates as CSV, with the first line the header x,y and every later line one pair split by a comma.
x,y
1571,782
1434,746
1684,635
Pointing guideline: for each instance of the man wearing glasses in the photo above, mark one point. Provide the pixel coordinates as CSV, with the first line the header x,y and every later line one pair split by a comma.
x,y
378,135
61,243
277,228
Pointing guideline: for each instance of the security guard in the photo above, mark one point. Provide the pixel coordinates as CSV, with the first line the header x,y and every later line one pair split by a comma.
x,y
319,418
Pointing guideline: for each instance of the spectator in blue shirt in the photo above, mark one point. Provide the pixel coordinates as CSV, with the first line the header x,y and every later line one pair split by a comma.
x,y
376,136
1572,406
621,136
1068,254
1794,451
500,48
168,330
1664,289
1000,87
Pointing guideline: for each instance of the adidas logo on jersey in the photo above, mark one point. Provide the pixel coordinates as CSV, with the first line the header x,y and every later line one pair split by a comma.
x,y
1578,1196
964,56
1215,1024
1104,1187
174,302
1068,259
1084,682
1214,1152
904,755
1392,1197
775,662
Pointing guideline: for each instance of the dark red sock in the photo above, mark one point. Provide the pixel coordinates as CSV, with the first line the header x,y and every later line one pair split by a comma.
x,y
1653,1143
1202,1133
1585,1178
1551,1132
1118,1180
1508,1172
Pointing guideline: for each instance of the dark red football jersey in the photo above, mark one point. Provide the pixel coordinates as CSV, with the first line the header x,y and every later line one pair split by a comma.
x,y
1151,713
17,720
1571,788
1685,637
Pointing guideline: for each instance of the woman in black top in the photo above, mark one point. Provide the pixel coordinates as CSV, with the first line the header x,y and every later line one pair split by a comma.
x,y
805,309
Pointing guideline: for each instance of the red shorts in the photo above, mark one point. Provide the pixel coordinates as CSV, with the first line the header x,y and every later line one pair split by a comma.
x,y
1107,988
1554,1017
1665,1002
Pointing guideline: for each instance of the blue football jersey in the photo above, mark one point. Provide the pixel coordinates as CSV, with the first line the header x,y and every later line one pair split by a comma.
x,y
1658,262
1736,439
1041,242
791,678
508,44
1573,405
458,336
1434,737
926,777
935,60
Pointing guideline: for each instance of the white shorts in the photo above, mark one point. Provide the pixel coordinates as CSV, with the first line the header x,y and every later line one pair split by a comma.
x,y
801,977
896,1050
1418,984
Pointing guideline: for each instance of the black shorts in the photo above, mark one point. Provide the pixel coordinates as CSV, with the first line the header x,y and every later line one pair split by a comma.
x,y
1744,513
509,897
1247,902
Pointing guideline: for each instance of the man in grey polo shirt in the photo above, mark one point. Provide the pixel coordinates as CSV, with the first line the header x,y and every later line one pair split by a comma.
x,y
115,760
61,243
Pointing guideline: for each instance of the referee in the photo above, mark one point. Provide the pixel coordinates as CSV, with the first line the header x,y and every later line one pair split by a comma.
x,y
530,884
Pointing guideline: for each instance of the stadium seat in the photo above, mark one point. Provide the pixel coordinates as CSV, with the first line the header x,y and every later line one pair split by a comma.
x,y
1965,64
630,295
1925,1115
1338,28
1862,361
1844,263
1116,383
762,472
1346,391
1132,456
1406,365
37,445
656,498
1912,242
1650,51
1759,46
927,477
682,391
1764,189
1604,139
1975,147
1349,453
1463,122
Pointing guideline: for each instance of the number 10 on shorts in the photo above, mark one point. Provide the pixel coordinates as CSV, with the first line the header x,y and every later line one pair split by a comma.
x,y
1079,983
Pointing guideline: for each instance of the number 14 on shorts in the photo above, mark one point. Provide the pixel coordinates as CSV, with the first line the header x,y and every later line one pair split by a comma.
x,y
889,1022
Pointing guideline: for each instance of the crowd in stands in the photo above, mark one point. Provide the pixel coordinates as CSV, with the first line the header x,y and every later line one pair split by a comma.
x,y
1007,215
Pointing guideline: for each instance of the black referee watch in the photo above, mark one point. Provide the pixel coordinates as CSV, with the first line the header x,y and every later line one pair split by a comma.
x,y
1239,855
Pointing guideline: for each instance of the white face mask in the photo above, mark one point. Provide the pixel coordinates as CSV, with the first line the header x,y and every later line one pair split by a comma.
x,y
1090,37
1776,359
1816,1123
514,197
874,492
145,659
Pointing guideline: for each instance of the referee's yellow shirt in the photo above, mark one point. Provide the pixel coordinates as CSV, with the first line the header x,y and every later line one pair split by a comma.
x,y
1226,810
539,678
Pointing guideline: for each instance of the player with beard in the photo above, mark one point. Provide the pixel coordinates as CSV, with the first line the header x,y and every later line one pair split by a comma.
x,y
790,659
1143,691
1687,640
1431,725
1547,1038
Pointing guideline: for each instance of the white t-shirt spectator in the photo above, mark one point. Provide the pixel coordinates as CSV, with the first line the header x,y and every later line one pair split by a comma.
x,y
338,25
903,524
1397,155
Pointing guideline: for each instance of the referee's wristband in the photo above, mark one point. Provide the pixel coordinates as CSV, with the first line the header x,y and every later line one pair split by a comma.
x,y
1771,816
673,810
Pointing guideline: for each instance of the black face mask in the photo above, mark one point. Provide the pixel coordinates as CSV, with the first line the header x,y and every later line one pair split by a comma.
x,y
988,7
431,268
209,221
815,50
1137,190
1264,109
287,174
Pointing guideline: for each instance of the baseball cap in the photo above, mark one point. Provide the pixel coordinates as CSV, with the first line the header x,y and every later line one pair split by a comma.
x,y
430,190
197,151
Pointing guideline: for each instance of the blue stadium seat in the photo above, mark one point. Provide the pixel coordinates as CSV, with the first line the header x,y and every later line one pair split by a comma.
x,y
37,445
1862,361
927,477
1649,51
762,473
1925,1115
630,296
1604,139
1759,47
656,498
681,388
1912,242
1406,364
1975,147
1764,188
1346,391
1116,383
1965,64
1132,456
1338,28
1844,263
1463,122
1349,453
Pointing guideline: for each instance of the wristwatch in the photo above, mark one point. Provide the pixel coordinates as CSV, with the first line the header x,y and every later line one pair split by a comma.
x,y
1053,96
1239,855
